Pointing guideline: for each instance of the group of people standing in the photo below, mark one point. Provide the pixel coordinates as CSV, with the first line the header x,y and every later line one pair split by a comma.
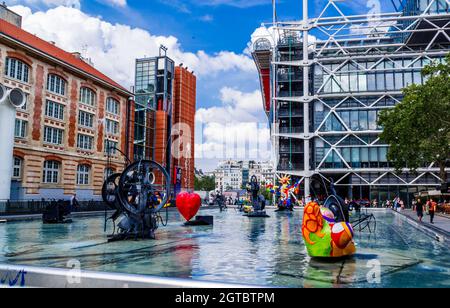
x,y
397,204
430,206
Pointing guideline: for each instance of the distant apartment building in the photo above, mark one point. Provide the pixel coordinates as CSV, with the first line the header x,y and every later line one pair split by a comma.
x,y
228,175
165,98
72,115
234,175
263,171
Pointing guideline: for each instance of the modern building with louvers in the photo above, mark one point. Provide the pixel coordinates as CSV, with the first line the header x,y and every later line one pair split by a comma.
x,y
325,79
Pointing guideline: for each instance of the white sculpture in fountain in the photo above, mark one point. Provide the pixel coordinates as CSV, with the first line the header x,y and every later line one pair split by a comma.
x,y
10,100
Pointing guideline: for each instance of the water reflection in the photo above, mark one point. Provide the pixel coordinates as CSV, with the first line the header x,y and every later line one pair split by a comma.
x,y
236,249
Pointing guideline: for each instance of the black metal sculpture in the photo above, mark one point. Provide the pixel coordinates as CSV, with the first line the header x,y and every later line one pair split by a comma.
x,y
137,195
57,212
258,205
341,210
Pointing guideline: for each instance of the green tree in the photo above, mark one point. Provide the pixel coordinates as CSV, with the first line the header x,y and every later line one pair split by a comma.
x,y
207,183
418,129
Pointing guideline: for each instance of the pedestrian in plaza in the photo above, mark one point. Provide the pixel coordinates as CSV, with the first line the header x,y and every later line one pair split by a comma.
x,y
401,205
396,203
432,210
419,209
388,204
73,202
375,203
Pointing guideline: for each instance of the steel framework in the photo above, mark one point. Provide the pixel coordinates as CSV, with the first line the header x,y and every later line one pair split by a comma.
x,y
324,70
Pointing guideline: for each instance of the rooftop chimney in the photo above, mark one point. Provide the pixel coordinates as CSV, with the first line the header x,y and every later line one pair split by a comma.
x,y
10,16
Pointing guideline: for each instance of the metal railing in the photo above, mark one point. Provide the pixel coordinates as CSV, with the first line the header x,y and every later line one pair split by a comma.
x,y
16,276
32,207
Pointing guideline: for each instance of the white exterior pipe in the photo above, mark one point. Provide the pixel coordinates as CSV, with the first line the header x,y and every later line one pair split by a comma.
x,y
9,101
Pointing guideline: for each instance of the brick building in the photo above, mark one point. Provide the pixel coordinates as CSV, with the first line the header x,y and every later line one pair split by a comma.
x,y
184,99
73,112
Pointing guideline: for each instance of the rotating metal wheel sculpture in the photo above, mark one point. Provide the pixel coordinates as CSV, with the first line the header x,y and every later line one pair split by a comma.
x,y
137,195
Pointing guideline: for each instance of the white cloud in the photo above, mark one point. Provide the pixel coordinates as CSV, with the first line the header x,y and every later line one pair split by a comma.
x,y
120,3
114,47
48,3
207,18
236,106
271,36
234,3
68,3
236,130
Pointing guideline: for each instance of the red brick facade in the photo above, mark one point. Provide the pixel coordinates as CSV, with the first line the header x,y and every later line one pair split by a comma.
x,y
185,86
37,114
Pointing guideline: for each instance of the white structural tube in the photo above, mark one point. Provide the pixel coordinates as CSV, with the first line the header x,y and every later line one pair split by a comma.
x,y
9,101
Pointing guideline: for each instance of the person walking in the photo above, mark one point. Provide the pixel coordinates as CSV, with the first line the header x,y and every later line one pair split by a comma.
x,y
396,203
73,202
419,209
375,203
432,210
401,205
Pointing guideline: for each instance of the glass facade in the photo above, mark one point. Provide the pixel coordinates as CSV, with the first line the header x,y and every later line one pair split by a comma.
x,y
145,96
353,76
153,91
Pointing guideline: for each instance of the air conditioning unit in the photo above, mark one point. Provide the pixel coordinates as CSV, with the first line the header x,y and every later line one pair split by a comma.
x,y
15,97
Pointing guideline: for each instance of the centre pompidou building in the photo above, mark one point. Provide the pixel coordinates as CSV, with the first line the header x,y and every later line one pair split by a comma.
x,y
325,81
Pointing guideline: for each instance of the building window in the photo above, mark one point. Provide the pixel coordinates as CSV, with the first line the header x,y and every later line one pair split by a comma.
x,y
86,119
111,147
83,172
87,96
51,172
54,110
112,106
20,130
16,69
56,84
108,173
112,127
53,135
17,167
85,142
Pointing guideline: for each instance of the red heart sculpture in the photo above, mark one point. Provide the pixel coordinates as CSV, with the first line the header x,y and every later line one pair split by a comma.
x,y
188,204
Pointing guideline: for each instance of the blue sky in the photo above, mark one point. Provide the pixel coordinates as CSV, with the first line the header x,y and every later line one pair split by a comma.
x,y
210,25
209,36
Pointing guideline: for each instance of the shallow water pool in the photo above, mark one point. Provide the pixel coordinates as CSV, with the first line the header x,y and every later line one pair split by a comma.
x,y
237,249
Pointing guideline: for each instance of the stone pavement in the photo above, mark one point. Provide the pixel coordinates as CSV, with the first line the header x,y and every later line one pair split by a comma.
x,y
441,223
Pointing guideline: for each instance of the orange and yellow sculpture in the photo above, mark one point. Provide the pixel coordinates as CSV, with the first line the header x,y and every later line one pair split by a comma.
x,y
324,237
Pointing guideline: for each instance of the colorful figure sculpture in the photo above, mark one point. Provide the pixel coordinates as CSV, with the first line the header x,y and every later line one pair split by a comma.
x,y
285,195
324,237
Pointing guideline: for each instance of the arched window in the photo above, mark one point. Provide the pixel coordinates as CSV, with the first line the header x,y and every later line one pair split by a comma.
x,y
17,69
17,167
56,84
112,106
87,96
83,174
51,172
